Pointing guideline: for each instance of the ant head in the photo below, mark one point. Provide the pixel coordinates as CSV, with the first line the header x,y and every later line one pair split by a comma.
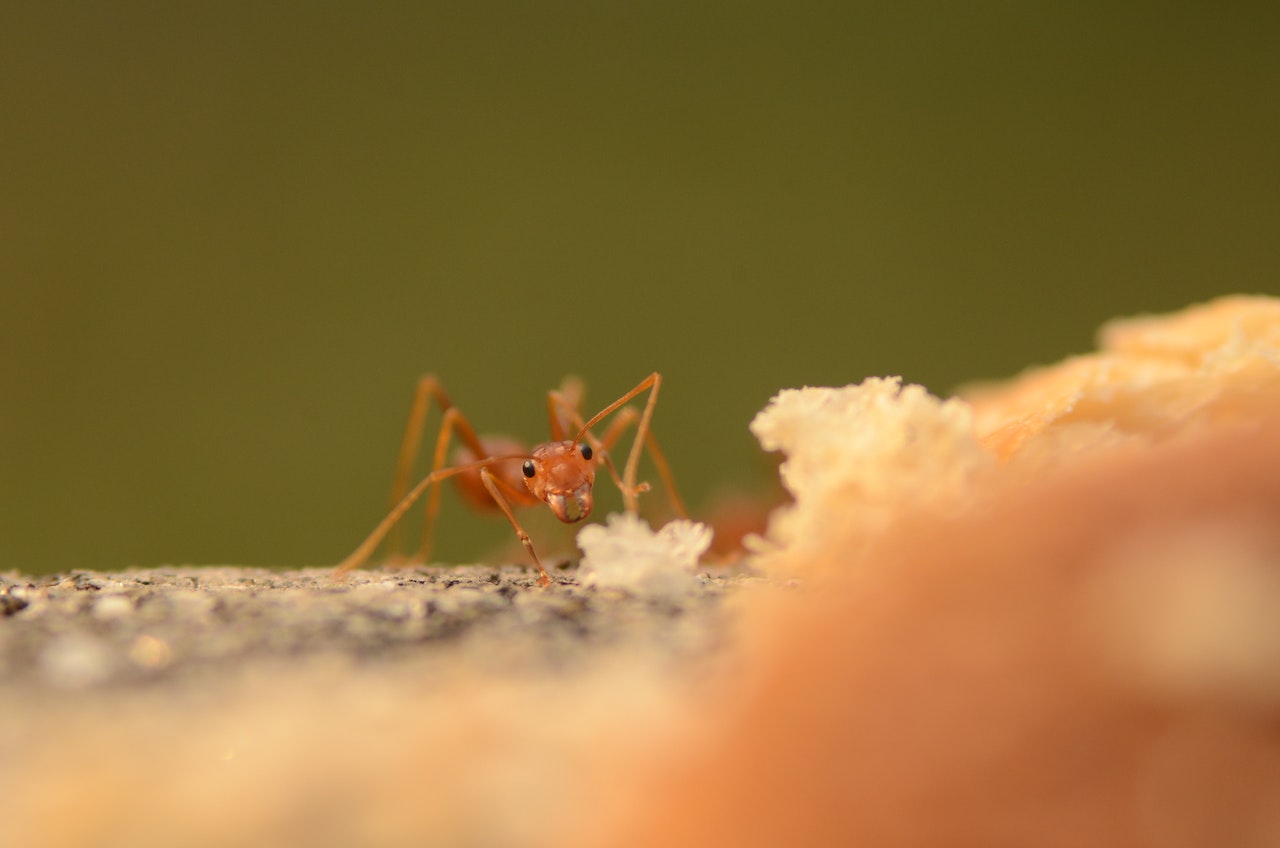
x,y
561,475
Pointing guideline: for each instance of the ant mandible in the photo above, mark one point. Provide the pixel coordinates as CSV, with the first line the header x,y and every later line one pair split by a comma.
x,y
499,473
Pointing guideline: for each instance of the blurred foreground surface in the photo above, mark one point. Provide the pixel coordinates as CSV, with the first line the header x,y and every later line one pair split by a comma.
x,y
258,707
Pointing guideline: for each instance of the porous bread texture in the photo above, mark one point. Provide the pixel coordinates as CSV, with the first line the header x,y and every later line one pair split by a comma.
x,y
1085,654
1087,659
1152,377
861,456
856,456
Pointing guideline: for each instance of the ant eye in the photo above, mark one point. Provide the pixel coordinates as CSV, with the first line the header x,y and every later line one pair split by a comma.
x,y
528,468
586,451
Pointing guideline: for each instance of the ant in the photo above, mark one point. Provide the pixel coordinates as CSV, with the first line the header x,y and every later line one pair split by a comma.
x,y
499,473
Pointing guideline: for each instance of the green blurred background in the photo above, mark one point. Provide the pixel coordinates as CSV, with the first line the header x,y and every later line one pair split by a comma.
x,y
235,233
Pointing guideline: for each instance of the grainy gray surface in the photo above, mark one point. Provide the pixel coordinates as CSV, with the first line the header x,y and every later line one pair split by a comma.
x,y
86,629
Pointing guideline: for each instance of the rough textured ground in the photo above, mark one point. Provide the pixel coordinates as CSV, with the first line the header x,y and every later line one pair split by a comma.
x,y
233,706
87,629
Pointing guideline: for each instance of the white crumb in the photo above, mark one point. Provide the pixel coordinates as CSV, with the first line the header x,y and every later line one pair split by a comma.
x,y
627,554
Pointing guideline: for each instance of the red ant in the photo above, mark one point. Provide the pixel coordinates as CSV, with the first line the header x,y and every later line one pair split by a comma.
x,y
489,472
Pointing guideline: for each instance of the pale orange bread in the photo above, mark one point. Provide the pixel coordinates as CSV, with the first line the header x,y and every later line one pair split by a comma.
x,y
1059,625
1152,377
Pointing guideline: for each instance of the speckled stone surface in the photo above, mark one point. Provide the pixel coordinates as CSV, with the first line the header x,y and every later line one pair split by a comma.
x,y
87,629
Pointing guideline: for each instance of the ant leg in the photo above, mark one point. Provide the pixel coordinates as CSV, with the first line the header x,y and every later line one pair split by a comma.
x,y
664,471
625,419
361,553
428,387
453,420
491,483
567,400
642,433
653,382
604,446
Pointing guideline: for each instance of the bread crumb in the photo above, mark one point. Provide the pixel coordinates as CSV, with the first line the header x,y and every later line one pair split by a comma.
x,y
627,554
857,455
